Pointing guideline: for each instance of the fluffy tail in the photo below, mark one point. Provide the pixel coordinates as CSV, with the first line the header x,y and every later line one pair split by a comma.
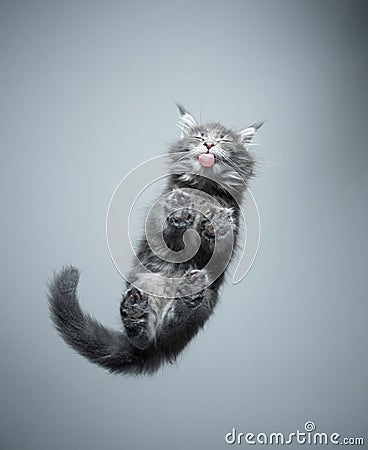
x,y
103,346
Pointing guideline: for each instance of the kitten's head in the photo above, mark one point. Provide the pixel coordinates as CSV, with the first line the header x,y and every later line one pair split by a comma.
x,y
212,150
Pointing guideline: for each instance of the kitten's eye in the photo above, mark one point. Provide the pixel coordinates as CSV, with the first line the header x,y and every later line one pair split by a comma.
x,y
202,134
224,139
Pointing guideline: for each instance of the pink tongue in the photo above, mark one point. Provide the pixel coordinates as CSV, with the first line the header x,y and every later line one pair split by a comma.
x,y
206,159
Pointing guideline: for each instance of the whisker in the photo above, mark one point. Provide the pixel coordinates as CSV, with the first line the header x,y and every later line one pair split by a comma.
x,y
228,160
182,157
267,162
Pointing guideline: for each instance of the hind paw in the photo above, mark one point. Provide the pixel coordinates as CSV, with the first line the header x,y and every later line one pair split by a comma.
x,y
134,304
192,286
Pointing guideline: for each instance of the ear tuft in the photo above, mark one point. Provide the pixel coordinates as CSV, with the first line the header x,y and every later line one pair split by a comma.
x,y
248,134
186,121
181,108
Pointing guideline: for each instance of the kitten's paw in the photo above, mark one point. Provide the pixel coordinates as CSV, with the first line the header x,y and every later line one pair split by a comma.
x,y
179,209
134,304
191,288
135,311
197,277
181,218
218,223
178,199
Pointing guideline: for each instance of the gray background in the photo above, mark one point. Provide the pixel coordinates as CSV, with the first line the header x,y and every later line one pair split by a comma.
x,y
87,91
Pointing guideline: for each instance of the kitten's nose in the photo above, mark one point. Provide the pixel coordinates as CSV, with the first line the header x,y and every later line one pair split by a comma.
x,y
208,145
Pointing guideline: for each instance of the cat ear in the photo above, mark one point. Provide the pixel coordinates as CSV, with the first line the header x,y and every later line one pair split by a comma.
x,y
248,134
186,121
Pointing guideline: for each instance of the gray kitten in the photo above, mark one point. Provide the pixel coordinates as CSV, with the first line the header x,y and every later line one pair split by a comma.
x,y
165,306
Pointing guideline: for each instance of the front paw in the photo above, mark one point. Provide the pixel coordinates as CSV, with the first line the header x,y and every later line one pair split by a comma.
x,y
178,198
217,224
179,208
181,219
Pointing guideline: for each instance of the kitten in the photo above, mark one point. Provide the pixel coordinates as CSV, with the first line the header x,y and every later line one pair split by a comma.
x,y
165,306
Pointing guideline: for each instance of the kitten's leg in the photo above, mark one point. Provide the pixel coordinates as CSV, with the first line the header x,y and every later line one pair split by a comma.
x,y
186,316
140,320
135,314
180,217
185,303
222,219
